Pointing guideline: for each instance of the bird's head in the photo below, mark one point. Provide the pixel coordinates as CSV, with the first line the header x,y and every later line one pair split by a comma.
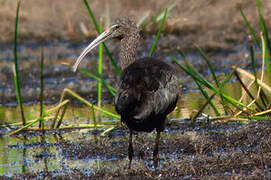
x,y
121,28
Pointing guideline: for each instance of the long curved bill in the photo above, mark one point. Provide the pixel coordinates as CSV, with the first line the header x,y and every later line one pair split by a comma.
x,y
101,38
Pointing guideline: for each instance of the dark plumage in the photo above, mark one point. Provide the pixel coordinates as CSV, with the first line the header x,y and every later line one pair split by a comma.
x,y
147,91
146,94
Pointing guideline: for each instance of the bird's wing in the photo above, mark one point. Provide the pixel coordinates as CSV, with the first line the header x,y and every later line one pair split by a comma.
x,y
143,91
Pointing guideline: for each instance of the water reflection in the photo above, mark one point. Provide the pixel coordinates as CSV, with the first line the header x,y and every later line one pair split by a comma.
x,y
44,153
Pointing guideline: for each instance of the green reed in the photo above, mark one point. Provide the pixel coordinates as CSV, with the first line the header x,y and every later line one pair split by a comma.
x,y
204,93
100,68
264,30
16,66
113,61
41,124
197,77
91,105
226,80
261,109
98,78
192,70
32,122
210,66
2,115
94,117
158,33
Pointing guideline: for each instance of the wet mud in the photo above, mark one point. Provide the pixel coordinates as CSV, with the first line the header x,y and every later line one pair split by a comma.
x,y
200,151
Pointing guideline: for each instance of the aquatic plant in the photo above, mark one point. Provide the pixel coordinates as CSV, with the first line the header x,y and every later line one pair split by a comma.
x,y
234,108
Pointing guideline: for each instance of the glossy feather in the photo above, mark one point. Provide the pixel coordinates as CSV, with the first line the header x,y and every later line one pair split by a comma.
x,y
146,93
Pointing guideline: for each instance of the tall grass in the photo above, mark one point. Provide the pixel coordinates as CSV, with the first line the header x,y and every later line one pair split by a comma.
x,y
193,71
41,124
201,80
244,110
264,30
100,67
265,48
158,33
208,62
16,66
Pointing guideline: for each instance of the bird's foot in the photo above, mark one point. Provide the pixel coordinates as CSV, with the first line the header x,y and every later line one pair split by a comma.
x,y
129,166
156,161
130,150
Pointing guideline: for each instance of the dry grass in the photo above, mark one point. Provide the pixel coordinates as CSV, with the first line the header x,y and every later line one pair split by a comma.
x,y
60,19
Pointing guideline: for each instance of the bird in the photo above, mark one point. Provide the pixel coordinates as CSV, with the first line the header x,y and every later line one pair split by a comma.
x,y
147,90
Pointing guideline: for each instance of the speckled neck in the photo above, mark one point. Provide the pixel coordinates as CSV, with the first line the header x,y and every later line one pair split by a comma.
x,y
128,48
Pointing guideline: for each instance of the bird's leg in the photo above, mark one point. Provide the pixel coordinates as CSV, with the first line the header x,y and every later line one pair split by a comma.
x,y
155,150
130,149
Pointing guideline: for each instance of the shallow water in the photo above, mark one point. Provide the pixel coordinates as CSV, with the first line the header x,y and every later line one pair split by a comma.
x,y
35,152
65,153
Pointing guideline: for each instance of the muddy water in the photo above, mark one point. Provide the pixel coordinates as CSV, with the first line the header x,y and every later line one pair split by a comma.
x,y
200,151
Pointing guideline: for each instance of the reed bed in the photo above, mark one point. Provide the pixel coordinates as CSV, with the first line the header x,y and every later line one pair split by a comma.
x,y
259,107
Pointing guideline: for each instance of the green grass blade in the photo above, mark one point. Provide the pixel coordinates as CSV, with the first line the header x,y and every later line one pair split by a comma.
x,y
16,66
196,75
41,124
94,117
91,105
62,116
2,115
231,100
92,16
235,118
38,119
213,74
265,37
158,33
209,100
100,69
113,61
252,32
209,65
109,88
188,71
255,117
204,93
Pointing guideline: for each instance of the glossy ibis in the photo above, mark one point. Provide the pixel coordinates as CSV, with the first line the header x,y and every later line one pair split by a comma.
x,y
147,91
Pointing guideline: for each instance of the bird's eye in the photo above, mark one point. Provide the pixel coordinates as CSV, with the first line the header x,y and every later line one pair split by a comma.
x,y
117,26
